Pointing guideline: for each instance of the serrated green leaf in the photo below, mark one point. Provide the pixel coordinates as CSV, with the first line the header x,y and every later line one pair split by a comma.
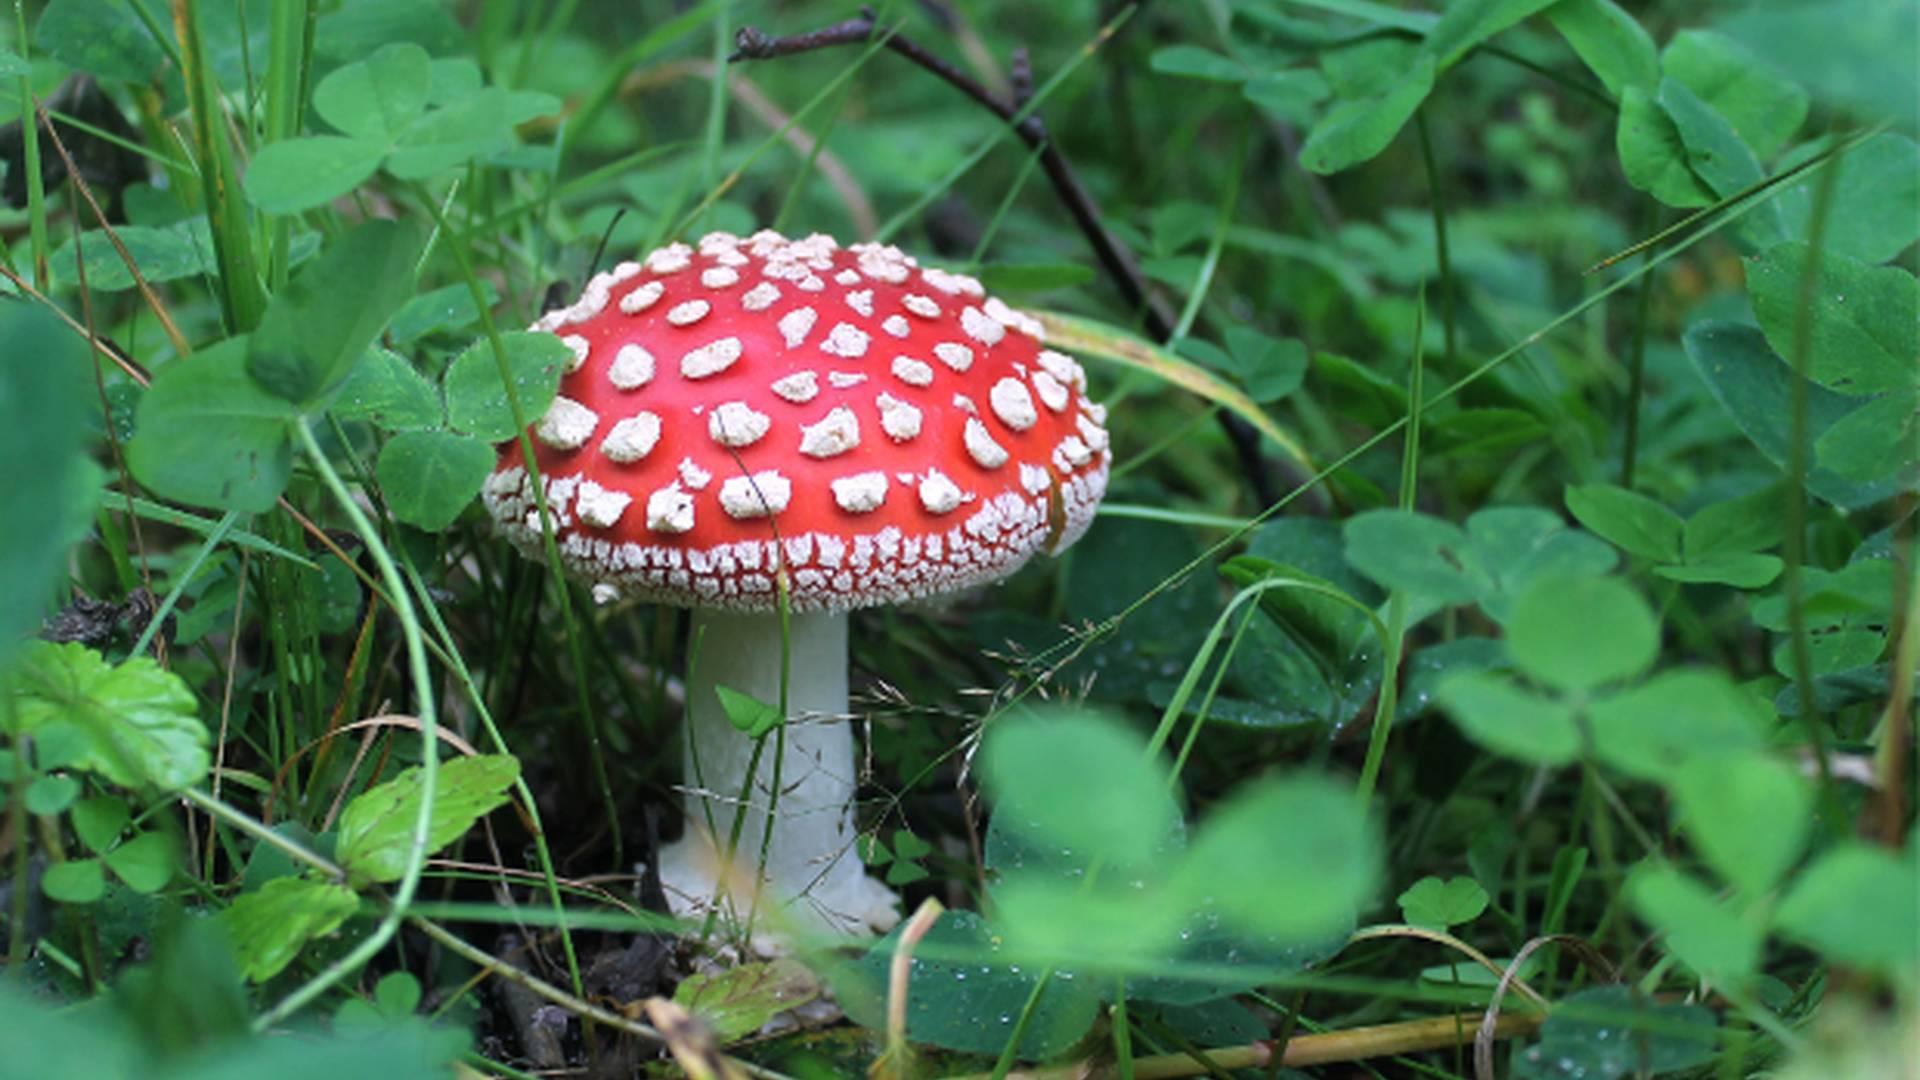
x,y
319,325
738,1001
137,721
476,398
1628,519
376,829
269,926
1506,719
208,435
428,477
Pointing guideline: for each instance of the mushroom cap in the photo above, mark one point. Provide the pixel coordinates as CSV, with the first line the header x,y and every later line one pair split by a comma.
x,y
748,407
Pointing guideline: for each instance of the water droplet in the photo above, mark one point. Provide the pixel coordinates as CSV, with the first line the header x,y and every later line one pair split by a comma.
x,y
960,976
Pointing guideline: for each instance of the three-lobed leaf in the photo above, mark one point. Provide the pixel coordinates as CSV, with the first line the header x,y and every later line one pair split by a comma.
x,y
429,477
209,435
477,400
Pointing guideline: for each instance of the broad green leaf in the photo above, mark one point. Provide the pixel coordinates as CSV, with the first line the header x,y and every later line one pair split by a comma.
x,y
1875,210
1214,961
181,250
428,477
208,435
1873,440
301,173
476,398
1865,320
1747,814
748,714
474,126
1628,519
1610,42
1576,634
376,829
376,98
1853,54
318,326
1720,158
1288,95
1715,940
1081,335
136,722
1357,130
100,38
12,65
1735,526
1466,23
1115,927
964,993
1755,388
1269,367
736,1002
1496,555
1748,571
1194,62
43,420
1652,153
1654,730
145,863
1113,806
1612,1031
437,311
384,388
99,821
269,925
1440,904
1764,107
51,794
76,881
1034,277
1509,720
1292,857
1855,904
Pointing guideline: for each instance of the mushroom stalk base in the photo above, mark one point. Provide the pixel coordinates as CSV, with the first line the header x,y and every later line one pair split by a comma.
x,y
813,881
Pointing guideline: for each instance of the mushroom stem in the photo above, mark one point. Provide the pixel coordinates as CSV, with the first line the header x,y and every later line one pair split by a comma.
x,y
814,881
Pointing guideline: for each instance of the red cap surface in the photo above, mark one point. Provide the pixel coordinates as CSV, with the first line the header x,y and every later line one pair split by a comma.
x,y
873,430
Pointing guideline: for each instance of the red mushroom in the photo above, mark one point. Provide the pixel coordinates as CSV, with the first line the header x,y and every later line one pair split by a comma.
x,y
758,409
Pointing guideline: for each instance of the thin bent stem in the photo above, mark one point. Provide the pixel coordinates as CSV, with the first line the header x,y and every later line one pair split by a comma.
x,y
429,743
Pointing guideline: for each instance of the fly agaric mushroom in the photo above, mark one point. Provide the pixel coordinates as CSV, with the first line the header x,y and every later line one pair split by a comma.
x,y
758,414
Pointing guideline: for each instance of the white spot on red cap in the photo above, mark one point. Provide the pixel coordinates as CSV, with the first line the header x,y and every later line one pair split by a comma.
x,y
954,355
719,277
1013,403
979,327
923,306
1052,393
670,259
846,339
795,325
688,312
1034,478
598,506
896,326
980,445
642,298
938,493
576,345
912,372
841,380
860,493
632,439
711,358
799,387
632,368
735,423
760,297
692,475
567,424
898,419
1094,434
760,494
670,510
832,435
848,276
861,300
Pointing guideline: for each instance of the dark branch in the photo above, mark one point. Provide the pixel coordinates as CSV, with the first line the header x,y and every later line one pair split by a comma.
x,y
751,43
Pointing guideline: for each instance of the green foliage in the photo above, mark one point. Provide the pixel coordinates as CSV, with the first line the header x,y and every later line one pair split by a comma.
x,y
133,724
42,405
1440,904
1609,1032
270,925
315,330
748,714
377,828
430,476
740,1001
209,435
477,399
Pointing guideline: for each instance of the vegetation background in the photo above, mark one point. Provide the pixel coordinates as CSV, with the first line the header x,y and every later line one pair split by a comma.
x,y
1503,607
